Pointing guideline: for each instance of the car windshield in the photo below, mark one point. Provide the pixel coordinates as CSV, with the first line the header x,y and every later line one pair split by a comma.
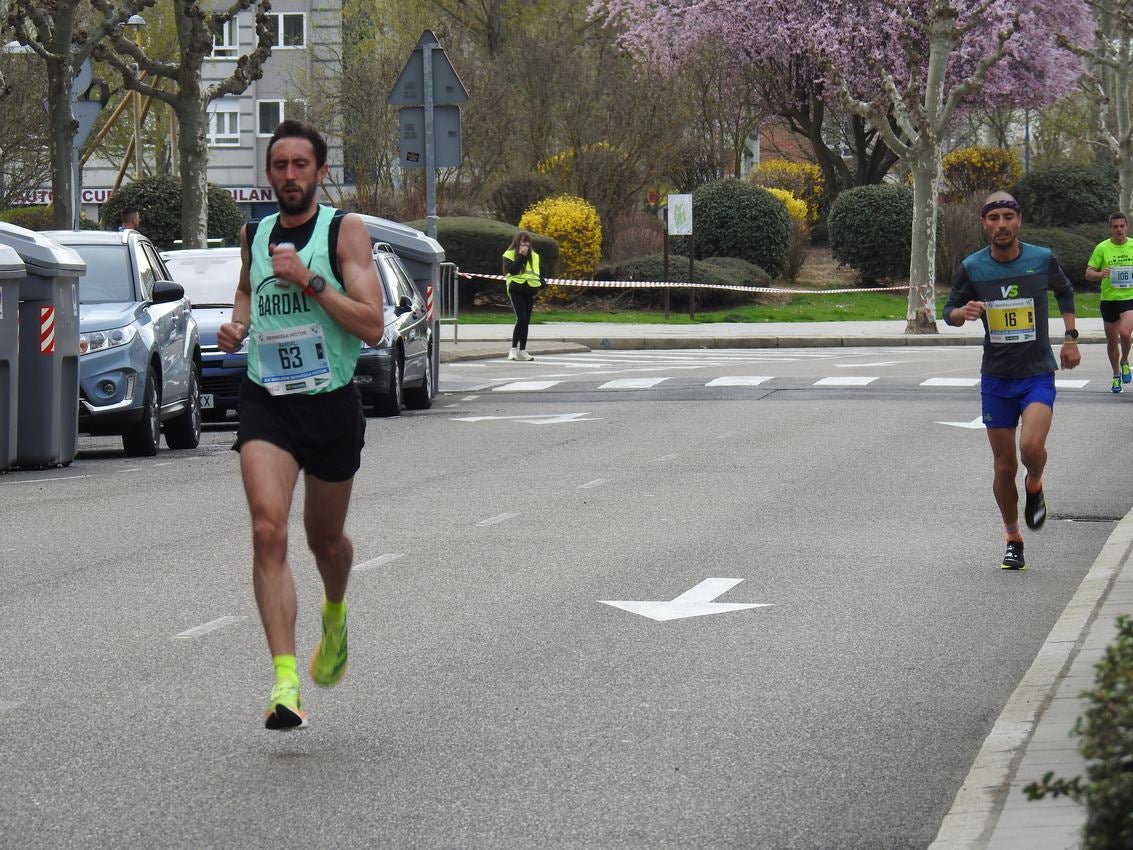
x,y
208,281
108,278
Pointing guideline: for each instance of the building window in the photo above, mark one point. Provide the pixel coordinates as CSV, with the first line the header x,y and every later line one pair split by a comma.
x,y
226,45
224,124
289,29
268,115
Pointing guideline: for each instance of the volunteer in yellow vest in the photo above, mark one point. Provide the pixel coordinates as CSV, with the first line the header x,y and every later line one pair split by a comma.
x,y
1112,264
308,293
521,268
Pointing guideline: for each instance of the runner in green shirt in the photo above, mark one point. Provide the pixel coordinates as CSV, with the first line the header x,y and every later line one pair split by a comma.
x,y
1112,264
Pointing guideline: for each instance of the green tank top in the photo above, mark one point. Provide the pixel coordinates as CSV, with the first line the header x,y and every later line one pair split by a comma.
x,y
294,346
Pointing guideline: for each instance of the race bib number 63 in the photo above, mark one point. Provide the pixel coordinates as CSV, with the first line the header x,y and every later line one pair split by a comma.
x,y
293,360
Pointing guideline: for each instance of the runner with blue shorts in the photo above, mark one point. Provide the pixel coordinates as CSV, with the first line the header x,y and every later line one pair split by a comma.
x,y
1005,286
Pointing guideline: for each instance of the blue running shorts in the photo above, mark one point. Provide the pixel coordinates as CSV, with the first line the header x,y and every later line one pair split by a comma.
x,y
1004,399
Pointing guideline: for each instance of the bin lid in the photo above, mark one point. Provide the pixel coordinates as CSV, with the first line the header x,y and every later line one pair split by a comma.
x,y
42,256
406,241
11,265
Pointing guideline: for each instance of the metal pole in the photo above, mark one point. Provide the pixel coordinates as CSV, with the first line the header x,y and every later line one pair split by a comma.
x,y
430,148
665,222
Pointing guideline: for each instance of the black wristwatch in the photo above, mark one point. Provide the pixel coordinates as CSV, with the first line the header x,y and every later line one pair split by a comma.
x,y
1071,335
315,285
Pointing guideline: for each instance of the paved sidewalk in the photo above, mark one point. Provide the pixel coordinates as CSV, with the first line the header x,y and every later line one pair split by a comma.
x,y
1031,736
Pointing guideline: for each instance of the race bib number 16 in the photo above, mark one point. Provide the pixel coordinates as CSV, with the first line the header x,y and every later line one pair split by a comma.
x,y
1011,321
293,360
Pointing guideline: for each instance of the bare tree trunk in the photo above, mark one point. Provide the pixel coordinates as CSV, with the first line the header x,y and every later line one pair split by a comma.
x,y
925,165
193,155
60,76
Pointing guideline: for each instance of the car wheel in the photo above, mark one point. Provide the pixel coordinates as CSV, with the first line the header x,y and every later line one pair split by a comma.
x,y
389,402
141,439
184,430
421,398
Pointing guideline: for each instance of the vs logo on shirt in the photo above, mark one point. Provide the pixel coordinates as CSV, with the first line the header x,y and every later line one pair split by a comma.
x,y
1011,291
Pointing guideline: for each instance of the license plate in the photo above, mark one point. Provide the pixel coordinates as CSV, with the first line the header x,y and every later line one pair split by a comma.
x,y
207,401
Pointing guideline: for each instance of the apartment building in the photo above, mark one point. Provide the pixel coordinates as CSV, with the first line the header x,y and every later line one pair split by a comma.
x,y
307,49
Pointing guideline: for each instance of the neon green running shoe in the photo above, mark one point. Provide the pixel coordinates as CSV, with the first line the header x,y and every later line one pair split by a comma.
x,y
328,662
1126,375
1115,386
285,711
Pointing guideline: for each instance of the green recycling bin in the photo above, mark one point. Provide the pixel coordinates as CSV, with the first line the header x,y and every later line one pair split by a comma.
x,y
11,271
47,406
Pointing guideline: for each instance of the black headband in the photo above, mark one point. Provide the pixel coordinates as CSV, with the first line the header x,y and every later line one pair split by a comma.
x,y
1003,204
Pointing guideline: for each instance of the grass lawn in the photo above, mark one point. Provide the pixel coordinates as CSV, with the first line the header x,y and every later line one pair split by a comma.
x,y
810,305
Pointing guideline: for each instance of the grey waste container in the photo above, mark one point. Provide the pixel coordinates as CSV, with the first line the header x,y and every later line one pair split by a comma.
x,y
11,271
47,408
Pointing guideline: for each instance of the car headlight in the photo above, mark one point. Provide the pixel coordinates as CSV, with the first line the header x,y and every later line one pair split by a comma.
x,y
103,340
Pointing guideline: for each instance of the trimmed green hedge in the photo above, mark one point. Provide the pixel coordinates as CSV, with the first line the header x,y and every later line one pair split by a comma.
x,y
477,245
1071,249
1059,197
38,217
871,231
729,271
159,200
733,218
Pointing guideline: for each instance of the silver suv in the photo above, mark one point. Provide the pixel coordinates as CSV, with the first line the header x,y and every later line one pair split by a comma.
x,y
139,349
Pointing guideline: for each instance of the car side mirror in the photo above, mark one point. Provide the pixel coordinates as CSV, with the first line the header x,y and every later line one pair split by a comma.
x,y
165,291
405,305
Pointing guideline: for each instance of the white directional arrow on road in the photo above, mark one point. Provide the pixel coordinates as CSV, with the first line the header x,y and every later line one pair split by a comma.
x,y
534,419
975,423
692,603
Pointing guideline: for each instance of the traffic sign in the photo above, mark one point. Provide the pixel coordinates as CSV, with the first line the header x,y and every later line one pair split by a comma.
x,y
446,136
409,90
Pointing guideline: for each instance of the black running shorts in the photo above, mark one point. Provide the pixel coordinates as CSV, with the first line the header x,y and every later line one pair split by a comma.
x,y
323,432
1112,310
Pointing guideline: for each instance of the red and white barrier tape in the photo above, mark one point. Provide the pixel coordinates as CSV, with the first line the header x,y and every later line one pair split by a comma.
x,y
672,284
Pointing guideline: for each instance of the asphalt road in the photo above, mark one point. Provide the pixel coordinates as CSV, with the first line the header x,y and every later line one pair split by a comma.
x,y
493,700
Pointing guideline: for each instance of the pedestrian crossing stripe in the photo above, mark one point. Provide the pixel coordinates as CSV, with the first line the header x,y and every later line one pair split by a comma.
x,y
749,381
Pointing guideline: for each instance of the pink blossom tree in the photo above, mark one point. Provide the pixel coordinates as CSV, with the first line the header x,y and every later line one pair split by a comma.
x,y
906,67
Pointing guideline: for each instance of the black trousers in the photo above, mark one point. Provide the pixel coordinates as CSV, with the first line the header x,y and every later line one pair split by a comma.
x,y
522,302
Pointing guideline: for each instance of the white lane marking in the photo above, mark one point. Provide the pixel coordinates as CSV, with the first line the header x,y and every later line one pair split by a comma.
x,y
590,485
860,381
48,480
631,383
1070,383
950,382
535,418
496,520
860,365
975,423
8,706
525,386
378,561
211,626
664,458
724,435
470,398
739,381
695,602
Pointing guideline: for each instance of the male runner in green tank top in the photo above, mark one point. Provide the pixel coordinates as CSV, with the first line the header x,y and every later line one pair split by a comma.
x,y
308,292
1111,264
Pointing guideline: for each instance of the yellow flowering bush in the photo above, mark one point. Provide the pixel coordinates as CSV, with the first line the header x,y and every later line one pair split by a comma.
x,y
575,225
978,169
796,208
801,179
800,232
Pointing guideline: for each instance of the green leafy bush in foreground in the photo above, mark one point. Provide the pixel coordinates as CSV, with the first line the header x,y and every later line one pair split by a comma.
x,y
1106,730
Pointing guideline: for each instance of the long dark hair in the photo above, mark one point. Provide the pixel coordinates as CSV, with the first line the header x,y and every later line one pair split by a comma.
x,y
520,235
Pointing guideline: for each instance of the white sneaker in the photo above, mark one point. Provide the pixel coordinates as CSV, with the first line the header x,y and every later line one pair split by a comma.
x,y
513,354
523,355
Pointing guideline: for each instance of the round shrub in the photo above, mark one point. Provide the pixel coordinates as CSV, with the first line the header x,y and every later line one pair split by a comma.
x,y
802,179
980,169
730,271
871,230
159,199
732,218
477,245
513,196
1057,197
575,225
1071,249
